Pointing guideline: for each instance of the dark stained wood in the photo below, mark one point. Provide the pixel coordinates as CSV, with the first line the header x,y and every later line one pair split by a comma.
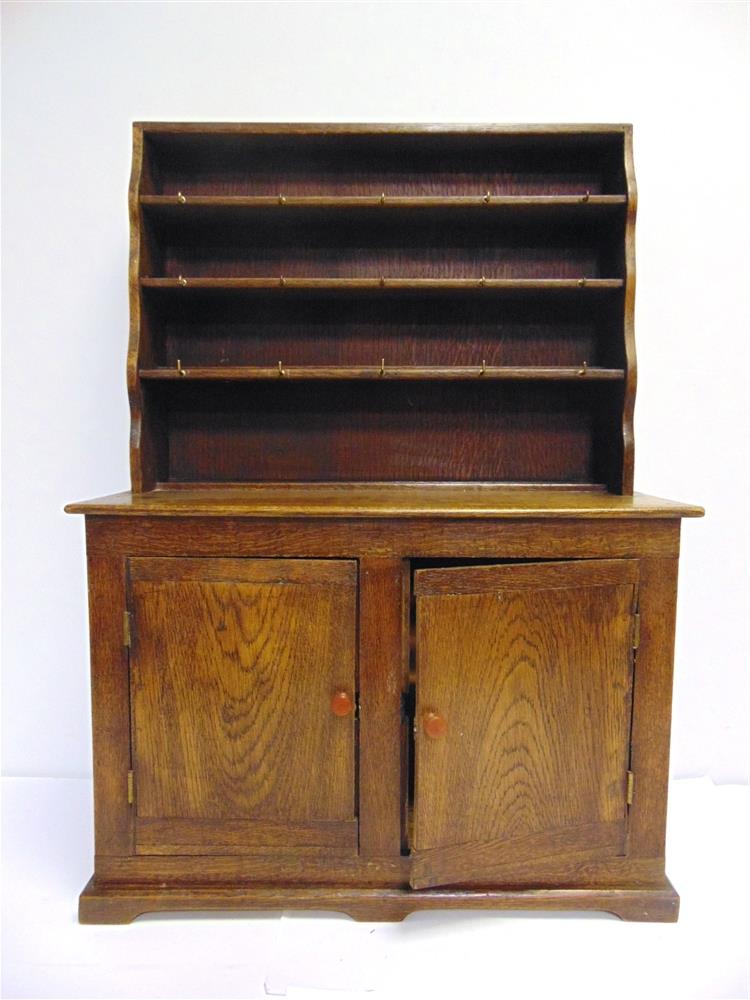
x,y
411,373
241,836
580,283
510,326
493,862
176,205
628,443
348,537
531,667
657,603
110,704
291,431
232,669
330,866
381,382
497,580
518,216
121,905
383,673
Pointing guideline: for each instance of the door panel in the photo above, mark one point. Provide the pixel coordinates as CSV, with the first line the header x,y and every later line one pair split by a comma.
x,y
528,670
234,664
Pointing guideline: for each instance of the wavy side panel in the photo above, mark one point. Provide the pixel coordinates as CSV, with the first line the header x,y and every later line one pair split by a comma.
x,y
631,370
140,473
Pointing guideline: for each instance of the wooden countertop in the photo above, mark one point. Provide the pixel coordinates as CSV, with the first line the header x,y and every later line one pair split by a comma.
x,y
387,500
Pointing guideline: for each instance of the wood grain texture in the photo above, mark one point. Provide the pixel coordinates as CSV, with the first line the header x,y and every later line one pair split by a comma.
x,y
412,373
110,704
582,284
534,681
654,666
389,500
529,204
383,672
544,538
102,905
509,326
232,673
517,217
494,862
289,431
242,836
139,448
337,867
364,461
251,159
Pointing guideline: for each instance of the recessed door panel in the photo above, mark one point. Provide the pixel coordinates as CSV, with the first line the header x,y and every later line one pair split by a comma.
x,y
524,690
242,698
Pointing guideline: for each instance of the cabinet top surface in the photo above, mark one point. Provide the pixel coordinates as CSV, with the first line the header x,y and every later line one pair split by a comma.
x,y
470,500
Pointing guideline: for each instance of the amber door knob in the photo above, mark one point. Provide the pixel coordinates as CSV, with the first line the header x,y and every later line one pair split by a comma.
x,y
341,703
435,725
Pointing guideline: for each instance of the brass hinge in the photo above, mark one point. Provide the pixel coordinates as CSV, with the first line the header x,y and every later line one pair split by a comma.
x,y
629,790
127,631
636,630
131,788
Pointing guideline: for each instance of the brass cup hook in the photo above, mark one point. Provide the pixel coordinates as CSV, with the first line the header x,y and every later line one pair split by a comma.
x,y
182,281
382,367
483,369
181,197
180,369
583,369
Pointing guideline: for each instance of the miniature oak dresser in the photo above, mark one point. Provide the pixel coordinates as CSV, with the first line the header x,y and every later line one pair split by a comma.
x,y
381,625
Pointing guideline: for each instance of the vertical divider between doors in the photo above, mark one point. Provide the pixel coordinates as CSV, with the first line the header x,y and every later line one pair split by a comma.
x,y
383,665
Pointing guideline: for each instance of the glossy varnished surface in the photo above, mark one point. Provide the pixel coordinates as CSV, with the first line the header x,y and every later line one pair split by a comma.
x,y
508,247
233,667
397,500
530,667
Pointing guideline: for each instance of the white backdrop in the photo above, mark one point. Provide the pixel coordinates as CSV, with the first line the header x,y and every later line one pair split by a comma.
x,y
76,75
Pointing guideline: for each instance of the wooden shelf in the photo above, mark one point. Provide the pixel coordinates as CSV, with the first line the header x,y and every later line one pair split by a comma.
x,y
185,202
488,268
184,282
245,373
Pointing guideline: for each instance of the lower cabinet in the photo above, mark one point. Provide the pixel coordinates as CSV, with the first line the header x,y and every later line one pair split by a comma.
x,y
492,733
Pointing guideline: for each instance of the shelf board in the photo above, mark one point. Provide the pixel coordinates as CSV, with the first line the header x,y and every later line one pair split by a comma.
x,y
409,372
186,202
185,282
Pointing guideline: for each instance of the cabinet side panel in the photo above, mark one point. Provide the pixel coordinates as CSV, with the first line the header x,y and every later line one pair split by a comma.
x,y
628,439
110,702
652,712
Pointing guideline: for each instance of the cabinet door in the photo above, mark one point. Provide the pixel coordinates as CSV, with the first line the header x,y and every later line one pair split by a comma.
x,y
242,701
522,729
